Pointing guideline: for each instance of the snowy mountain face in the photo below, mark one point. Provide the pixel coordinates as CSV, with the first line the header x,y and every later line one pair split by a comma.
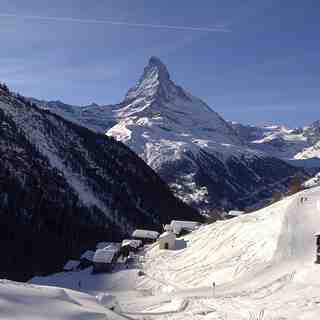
x,y
205,161
63,187
201,156
282,142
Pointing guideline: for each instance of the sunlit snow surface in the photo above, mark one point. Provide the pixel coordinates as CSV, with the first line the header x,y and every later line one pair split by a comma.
x,y
20,301
262,264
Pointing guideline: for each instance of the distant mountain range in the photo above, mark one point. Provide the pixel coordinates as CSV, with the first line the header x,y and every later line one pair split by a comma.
x,y
207,161
282,142
64,187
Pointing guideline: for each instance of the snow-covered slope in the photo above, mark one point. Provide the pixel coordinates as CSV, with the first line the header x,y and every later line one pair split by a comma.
x,y
262,264
19,301
309,153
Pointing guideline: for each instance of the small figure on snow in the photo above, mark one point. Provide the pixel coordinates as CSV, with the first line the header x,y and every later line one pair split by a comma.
x,y
213,287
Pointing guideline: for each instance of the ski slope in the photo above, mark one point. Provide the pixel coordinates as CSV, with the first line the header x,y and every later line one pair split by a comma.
x,y
228,250
262,264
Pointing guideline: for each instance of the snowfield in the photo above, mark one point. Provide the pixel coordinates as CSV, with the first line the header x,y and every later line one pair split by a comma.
x,y
262,265
21,301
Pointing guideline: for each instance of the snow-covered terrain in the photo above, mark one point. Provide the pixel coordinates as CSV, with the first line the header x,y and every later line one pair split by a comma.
x,y
262,265
19,301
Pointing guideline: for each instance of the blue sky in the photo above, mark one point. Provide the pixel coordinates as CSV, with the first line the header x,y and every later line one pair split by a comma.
x,y
265,70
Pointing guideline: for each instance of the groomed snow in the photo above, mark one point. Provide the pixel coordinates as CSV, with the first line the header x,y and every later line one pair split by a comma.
x,y
262,265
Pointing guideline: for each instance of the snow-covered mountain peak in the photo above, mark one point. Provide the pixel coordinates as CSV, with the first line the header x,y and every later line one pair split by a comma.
x,y
156,108
155,83
155,62
187,143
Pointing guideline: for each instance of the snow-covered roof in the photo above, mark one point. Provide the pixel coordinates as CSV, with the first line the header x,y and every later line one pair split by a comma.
x,y
132,243
88,255
145,234
109,245
235,213
167,234
184,224
104,256
71,265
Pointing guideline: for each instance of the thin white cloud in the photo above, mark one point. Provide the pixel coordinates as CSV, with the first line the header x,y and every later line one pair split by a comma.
x,y
116,23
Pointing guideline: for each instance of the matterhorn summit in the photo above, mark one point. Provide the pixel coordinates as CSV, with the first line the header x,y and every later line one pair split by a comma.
x,y
155,81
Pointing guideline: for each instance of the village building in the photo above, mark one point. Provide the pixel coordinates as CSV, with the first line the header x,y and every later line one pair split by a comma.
x,y
146,236
183,227
167,240
71,265
104,260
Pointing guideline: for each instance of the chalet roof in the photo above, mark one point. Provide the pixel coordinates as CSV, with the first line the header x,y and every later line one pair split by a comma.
x,y
167,234
235,213
104,256
132,243
88,255
71,265
145,234
184,224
